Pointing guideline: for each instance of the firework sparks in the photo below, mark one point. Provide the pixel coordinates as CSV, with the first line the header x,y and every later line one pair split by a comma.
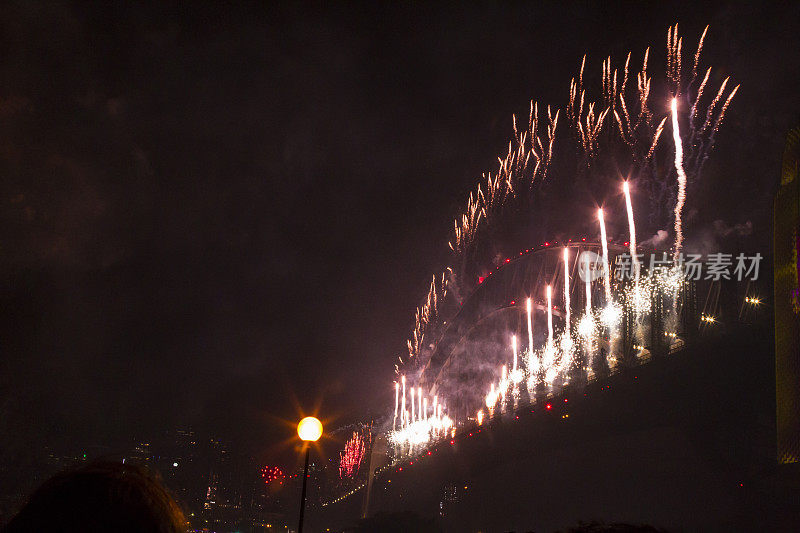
x,y
549,315
352,456
403,412
272,473
419,403
588,284
491,398
396,403
676,135
529,304
604,242
631,230
413,405
567,305
635,127
514,352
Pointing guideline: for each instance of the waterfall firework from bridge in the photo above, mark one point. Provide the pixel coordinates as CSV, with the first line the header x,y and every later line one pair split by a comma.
x,y
489,339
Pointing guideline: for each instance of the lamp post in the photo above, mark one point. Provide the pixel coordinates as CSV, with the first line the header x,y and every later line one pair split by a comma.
x,y
309,430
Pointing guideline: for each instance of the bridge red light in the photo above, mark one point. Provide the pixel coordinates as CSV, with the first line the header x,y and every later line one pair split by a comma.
x,y
548,406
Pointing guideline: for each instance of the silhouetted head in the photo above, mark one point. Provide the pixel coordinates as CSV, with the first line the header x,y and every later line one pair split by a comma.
x,y
102,496
599,527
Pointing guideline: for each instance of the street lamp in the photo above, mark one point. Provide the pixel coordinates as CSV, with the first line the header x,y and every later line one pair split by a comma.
x,y
309,430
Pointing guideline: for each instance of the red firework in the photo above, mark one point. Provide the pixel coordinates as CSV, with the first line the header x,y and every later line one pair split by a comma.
x,y
272,473
351,457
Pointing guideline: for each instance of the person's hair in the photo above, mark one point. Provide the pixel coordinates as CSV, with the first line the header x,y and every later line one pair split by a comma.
x,y
102,496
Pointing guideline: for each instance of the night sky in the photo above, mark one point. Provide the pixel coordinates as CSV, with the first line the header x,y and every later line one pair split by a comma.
x,y
219,216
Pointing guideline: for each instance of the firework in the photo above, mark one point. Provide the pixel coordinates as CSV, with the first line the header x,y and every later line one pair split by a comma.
x,y
625,106
588,284
676,135
413,417
586,324
549,315
272,473
530,326
419,403
403,412
514,351
352,456
396,400
604,242
632,230
566,291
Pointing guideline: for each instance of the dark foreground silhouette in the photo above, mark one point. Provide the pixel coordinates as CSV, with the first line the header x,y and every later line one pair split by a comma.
x,y
403,522
102,496
599,527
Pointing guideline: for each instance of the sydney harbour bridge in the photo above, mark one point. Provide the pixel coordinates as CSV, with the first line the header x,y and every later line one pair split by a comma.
x,y
553,390
621,407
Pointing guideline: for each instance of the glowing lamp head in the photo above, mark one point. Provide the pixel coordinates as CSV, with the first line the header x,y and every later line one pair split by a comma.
x,y
309,429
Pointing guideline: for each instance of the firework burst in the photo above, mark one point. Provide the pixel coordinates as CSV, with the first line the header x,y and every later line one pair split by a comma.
x,y
622,128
